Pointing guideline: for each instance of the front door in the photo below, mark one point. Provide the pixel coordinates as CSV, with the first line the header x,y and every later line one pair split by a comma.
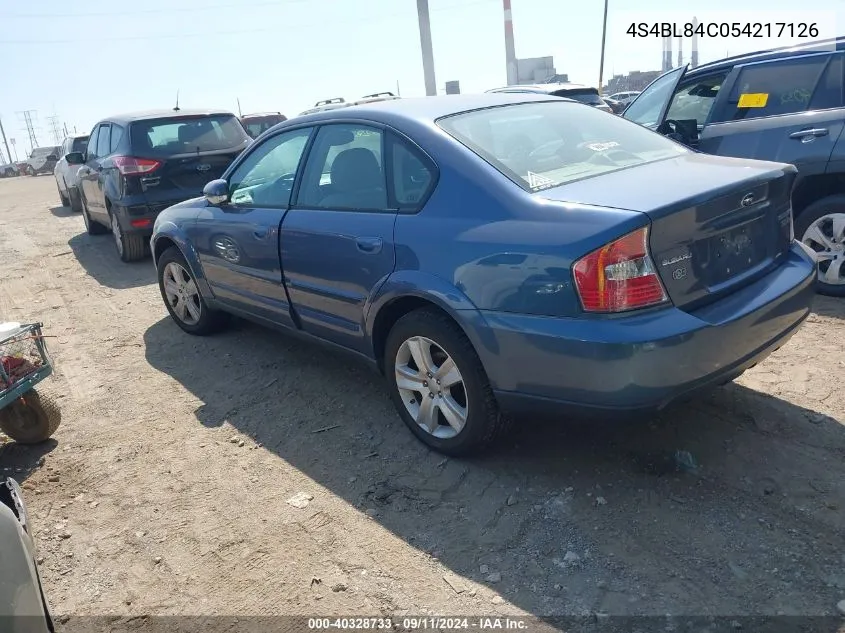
x,y
238,241
337,240
87,172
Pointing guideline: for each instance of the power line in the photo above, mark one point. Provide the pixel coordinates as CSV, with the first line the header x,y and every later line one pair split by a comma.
x,y
55,129
380,18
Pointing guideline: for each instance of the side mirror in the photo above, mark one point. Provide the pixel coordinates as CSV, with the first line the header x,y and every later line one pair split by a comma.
x,y
216,192
75,158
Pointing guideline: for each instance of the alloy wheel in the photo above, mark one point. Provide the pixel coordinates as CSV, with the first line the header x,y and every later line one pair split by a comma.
x,y
431,387
826,236
182,293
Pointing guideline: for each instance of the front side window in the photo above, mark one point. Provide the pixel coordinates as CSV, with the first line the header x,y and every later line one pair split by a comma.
x,y
183,135
265,178
695,100
345,170
646,108
543,145
103,142
773,88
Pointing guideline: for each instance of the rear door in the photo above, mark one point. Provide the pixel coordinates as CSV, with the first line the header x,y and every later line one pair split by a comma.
x,y
337,240
789,110
238,242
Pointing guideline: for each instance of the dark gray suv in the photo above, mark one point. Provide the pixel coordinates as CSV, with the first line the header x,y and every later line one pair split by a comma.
x,y
784,105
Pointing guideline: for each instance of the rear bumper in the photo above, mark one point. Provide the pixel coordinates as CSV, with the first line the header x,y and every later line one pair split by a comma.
x,y
137,214
643,362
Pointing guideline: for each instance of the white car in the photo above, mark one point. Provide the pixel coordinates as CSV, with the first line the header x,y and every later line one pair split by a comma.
x,y
625,98
67,179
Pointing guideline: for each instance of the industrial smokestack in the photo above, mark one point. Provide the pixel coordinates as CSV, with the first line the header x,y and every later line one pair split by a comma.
x,y
425,45
667,53
510,49
694,54
680,51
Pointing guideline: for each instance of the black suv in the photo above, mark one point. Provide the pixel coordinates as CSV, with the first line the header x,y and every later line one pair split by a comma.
x,y
137,165
784,105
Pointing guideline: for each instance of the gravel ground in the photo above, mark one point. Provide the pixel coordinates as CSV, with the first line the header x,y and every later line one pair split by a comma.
x,y
250,473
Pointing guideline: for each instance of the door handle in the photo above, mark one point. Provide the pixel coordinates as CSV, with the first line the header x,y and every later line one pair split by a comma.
x,y
369,244
809,134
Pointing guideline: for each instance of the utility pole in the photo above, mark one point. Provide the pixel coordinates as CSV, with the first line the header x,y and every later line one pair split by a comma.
x,y
5,142
603,39
510,48
54,126
425,45
65,126
30,127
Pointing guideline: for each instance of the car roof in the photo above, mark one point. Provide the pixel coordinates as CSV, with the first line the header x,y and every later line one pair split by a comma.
x,y
425,109
261,114
129,117
544,88
820,46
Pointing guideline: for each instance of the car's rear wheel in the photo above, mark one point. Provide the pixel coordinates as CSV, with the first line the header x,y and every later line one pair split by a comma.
x,y
64,199
75,199
439,386
182,297
821,226
130,247
91,227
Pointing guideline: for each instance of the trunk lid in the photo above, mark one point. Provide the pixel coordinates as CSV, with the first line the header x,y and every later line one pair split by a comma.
x,y
717,223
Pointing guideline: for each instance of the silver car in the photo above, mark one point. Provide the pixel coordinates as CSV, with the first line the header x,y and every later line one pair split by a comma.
x,y
67,179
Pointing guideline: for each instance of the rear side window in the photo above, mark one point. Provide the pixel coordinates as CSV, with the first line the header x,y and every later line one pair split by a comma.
x,y
828,93
116,137
773,88
183,135
103,142
413,176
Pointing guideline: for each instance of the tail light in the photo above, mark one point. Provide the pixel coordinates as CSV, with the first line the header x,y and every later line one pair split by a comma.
x,y
127,165
619,276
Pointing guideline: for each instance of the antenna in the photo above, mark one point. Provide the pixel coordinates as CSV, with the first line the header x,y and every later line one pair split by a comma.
x,y
240,114
176,109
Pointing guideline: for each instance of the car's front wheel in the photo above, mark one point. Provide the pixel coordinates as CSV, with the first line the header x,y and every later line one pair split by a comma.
x,y
182,297
821,226
439,386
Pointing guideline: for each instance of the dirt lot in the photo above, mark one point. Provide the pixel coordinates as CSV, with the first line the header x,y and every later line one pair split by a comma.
x,y
166,489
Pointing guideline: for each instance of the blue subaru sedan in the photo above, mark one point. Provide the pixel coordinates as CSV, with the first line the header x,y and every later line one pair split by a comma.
x,y
496,254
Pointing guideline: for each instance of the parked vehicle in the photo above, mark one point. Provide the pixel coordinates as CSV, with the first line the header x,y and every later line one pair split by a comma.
x,y
785,104
42,160
327,104
9,170
137,165
256,124
615,106
577,92
67,179
23,606
496,253
625,98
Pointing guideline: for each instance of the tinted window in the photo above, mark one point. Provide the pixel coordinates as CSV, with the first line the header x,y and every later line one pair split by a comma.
x,y
116,137
541,145
345,170
412,176
772,88
590,97
183,135
695,100
79,144
103,142
265,177
828,93
91,148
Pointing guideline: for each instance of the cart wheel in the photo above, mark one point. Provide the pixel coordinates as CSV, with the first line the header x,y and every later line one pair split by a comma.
x,y
31,419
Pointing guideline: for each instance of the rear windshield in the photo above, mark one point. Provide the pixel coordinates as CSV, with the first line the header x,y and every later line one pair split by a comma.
x,y
182,135
543,145
587,95
42,151
79,144
259,125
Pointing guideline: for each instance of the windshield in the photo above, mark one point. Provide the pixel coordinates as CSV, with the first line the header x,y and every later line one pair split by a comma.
x,y
183,135
646,109
80,143
543,145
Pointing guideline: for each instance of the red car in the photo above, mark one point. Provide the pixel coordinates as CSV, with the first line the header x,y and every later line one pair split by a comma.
x,y
257,124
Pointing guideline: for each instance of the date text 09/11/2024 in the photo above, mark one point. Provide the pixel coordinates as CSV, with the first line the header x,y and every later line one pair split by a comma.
x,y
725,29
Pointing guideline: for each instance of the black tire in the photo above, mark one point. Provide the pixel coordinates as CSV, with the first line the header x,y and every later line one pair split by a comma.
x,y
64,199
31,419
210,321
92,227
820,208
75,199
485,423
132,247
